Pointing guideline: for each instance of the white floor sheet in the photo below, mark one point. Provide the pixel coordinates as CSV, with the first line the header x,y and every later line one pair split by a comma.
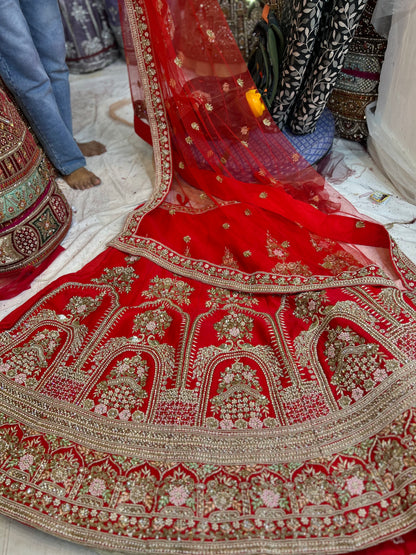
x,y
126,172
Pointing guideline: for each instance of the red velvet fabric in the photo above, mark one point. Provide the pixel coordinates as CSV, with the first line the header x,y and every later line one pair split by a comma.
x,y
238,375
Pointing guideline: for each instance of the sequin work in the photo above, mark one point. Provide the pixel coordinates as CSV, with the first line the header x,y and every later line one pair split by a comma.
x,y
181,417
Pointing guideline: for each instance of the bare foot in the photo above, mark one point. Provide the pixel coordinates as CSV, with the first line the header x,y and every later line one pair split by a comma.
x,y
92,148
82,179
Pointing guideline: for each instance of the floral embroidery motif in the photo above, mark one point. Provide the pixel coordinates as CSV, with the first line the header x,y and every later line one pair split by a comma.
x,y
176,491
339,261
320,243
130,259
223,492
211,35
152,322
123,392
239,402
357,366
142,488
229,259
291,269
220,297
121,278
175,290
234,326
276,249
80,307
308,304
24,364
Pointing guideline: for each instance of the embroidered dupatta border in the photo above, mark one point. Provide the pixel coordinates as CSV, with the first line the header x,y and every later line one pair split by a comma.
x,y
131,242
156,116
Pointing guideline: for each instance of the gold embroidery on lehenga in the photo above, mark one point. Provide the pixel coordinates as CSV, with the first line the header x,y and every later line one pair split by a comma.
x,y
154,321
236,367
113,475
218,297
121,278
80,307
123,389
234,326
176,290
292,268
339,262
309,303
229,259
357,366
239,402
25,363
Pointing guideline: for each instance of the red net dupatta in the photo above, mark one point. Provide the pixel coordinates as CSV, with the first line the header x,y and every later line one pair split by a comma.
x,y
233,203
159,411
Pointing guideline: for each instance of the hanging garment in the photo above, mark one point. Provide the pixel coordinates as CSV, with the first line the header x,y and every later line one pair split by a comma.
x,y
92,33
236,372
392,135
318,34
34,215
357,84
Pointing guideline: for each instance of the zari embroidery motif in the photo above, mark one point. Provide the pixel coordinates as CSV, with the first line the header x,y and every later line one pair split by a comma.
x,y
176,290
285,276
98,467
239,402
120,278
123,389
24,364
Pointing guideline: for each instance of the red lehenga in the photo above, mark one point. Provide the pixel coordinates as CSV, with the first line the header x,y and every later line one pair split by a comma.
x,y
236,373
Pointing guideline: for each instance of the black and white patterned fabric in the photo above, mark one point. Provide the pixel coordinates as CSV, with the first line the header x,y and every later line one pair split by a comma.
x,y
318,34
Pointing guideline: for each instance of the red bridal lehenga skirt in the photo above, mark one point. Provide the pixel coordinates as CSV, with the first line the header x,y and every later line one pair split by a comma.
x,y
146,412
34,214
229,379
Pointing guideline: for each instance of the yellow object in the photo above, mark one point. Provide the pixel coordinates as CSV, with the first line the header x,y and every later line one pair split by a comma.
x,y
255,102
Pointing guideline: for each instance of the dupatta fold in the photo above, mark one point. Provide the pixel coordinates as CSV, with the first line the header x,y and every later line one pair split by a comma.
x,y
234,204
154,413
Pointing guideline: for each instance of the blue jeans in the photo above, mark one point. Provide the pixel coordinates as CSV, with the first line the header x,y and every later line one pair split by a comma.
x,y
32,65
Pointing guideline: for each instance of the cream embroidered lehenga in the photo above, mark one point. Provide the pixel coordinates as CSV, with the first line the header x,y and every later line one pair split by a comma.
x,y
236,373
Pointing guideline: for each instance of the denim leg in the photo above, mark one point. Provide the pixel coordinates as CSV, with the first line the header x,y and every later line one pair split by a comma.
x,y
24,74
41,15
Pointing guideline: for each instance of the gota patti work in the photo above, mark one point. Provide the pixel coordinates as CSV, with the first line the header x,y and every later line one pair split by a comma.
x,y
230,378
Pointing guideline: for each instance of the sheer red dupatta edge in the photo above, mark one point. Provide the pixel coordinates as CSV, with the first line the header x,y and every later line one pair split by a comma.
x,y
295,192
